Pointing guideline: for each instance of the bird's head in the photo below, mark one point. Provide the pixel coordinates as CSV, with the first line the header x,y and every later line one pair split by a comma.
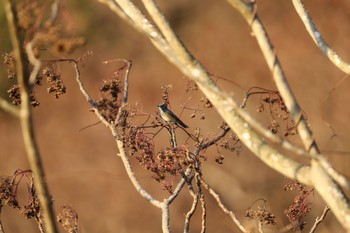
x,y
162,106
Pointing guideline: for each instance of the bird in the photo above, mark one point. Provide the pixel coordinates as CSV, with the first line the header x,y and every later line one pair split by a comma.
x,y
169,116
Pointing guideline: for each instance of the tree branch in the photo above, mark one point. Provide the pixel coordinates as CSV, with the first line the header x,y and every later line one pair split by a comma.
x,y
275,66
318,39
190,213
319,219
7,107
222,206
323,181
23,74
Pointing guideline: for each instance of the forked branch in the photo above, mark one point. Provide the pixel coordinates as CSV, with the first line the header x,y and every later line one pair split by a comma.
x,y
319,219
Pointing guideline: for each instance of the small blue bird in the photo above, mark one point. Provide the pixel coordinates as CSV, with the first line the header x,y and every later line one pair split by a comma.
x,y
169,116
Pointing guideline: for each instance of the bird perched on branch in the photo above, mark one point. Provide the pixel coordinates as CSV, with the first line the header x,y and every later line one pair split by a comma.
x,y
169,116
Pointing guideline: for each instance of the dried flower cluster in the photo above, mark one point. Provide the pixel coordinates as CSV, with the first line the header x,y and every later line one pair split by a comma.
x,y
9,188
165,93
168,161
278,111
9,61
68,218
300,207
15,95
261,214
108,105
40,27
54,80
191,86
276,107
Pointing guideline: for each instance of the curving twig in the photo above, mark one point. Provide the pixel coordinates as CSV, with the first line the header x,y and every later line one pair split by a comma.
x,y
318,39
190,213
120,143
7,107
222,206
320,219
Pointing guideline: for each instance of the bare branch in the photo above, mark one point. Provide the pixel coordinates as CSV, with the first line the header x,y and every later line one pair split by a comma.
x,y
204,213
216,139
190,213
319,219
174,42
7,107
180,185
131,174
165,217
120,143
131,14
275,66
34,61
320,178
318,39
1,226
26,121
222,206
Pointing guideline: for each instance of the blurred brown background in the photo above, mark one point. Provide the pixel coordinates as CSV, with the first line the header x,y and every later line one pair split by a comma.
x,y
82,168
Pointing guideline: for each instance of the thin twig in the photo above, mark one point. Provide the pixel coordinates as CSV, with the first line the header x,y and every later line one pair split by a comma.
x,y
186,179
318,39
202,200
7,107
204,213
222,206
34,61
320,219
1,226
120,143
190,213
225,130
260,227
132,176
324,104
